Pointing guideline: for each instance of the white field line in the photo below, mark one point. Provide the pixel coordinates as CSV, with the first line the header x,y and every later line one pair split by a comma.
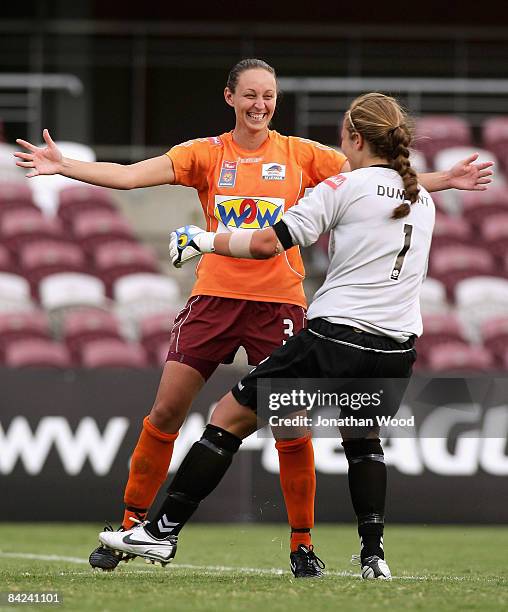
x,y
7,555
240,570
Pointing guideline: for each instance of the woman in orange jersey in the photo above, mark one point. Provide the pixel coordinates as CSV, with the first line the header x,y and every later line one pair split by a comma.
x,y
245,178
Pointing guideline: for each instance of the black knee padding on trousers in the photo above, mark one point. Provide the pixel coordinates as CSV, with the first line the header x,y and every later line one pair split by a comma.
x,y
221,438
205,464
199,473
363,448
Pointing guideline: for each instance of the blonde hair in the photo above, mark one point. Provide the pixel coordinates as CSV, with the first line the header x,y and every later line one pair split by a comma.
x,y
386,128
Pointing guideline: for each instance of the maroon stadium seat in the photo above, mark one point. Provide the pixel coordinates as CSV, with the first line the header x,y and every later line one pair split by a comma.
x,y
117,259
478,205
459,357
439,328
96,227
438,200
494,232
42,258
154,333
15,196
495,138
6,262
78,198
494,333
436,132
36,352
112,353
451,231
16,326
15,193
87,324
19,227
451,264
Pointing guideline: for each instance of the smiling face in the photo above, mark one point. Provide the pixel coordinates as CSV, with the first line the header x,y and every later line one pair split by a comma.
x,y
254,100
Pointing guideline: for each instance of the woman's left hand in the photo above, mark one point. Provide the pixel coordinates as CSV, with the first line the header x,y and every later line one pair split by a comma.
x,y
471,176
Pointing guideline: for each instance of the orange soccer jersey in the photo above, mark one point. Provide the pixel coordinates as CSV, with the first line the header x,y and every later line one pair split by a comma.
x,y
251,189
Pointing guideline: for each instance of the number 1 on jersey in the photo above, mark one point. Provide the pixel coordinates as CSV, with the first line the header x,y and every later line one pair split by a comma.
x,y
408,231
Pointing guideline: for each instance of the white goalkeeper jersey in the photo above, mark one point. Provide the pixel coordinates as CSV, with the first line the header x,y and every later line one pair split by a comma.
x,y
377,264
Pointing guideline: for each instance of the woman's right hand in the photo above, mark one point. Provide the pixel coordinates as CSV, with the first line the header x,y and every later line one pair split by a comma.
x,y
188,242
40,160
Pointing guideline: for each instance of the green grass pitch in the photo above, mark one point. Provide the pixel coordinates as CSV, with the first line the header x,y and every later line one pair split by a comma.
x,y
246,567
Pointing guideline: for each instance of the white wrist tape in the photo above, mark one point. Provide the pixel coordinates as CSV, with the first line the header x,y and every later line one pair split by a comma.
x,y
239,243
205,242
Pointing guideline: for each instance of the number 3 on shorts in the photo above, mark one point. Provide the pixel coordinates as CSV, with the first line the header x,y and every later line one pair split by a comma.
x,y
288,328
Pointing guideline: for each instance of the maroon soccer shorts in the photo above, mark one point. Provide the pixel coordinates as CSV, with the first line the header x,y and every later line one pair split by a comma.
x,y
209,330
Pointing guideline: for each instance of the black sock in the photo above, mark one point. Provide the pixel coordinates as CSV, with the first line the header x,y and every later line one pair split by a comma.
x,y
200,472
367,484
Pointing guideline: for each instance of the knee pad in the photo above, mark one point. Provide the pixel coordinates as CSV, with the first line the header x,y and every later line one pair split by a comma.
x,y
204,465
219,440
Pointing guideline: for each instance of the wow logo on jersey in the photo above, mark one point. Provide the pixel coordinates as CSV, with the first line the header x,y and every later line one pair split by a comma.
x,y
248,213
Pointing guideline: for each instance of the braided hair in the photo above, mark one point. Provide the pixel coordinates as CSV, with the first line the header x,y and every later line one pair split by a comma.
x,y
385,126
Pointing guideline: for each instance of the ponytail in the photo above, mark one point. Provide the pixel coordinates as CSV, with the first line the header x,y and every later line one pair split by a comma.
x,y
385,126
401,138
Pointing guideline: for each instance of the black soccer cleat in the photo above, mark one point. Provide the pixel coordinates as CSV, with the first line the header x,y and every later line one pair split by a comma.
x,y
103,558
305,564
138,542
106,559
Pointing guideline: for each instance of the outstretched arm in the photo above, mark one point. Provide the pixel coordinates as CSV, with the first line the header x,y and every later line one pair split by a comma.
x,y
302,225
465,174
49,160
190,241
254,244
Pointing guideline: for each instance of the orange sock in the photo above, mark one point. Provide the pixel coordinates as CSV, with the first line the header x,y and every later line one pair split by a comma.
x,y
298,482
298,538
149,469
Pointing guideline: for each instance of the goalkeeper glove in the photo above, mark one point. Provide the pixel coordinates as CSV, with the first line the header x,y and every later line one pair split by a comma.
x,y
188,242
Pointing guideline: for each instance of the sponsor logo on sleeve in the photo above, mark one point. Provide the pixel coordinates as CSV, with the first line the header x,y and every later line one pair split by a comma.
x,y
215,140
188,143
335,181
247,213
227,176
273,172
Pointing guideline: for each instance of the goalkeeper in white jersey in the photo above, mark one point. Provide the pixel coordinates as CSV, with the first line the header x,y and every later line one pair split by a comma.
x,y
363,321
